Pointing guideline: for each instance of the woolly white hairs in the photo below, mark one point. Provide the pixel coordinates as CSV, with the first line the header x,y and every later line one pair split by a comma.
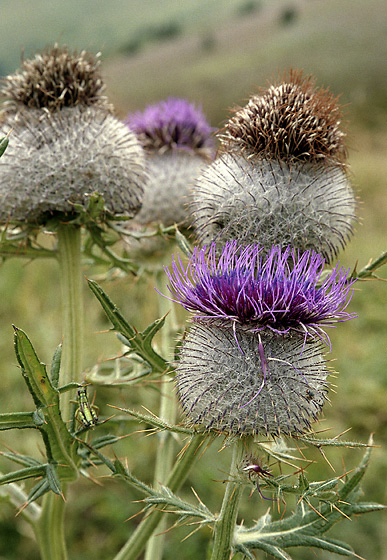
x,y
302,204
250,383
55,160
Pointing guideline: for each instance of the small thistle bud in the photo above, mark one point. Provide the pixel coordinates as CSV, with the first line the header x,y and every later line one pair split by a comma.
x,y
178,143
66,144
280,178
252,360
54,79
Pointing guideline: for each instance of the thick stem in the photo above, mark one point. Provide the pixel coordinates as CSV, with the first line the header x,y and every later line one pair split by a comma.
x,y
225,524
69,255
137,542
168,411
50,528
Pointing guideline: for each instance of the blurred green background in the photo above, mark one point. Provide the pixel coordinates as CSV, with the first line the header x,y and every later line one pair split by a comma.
x,y
215,53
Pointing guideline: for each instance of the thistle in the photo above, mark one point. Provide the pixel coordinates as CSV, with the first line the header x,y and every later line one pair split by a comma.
x,y
66,144
177,139
252,361
281,177
292,121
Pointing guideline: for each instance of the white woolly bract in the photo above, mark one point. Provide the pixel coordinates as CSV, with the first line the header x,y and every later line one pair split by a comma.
x,y
55,160
170,179
241,382
271,202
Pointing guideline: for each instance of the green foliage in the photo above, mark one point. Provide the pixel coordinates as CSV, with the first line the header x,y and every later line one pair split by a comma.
x,y
308,524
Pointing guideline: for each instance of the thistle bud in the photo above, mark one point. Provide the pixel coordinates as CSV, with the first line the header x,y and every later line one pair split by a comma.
x,y
280,178
252,360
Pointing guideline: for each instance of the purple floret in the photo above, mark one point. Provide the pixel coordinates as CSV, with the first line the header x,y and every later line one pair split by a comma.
x,y
172,124
279,292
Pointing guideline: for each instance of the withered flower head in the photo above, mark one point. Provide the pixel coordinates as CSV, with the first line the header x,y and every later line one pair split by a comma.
x,y
66,144
292,119
281,177
54,79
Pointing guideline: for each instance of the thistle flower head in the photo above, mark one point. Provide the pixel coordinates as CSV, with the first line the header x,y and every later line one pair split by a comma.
x,y
173,124
280,292
54,79
66,144
252,360
177,140
291,120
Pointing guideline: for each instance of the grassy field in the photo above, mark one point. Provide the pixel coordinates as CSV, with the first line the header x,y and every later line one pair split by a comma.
x,y
219,55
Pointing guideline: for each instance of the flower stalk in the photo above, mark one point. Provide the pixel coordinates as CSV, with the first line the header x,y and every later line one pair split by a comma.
x,y
69,257
50,531
168,413
225,525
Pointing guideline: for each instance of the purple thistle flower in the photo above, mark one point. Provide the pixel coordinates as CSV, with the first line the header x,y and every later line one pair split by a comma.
x,y
251,362
172,124
279,292
178,143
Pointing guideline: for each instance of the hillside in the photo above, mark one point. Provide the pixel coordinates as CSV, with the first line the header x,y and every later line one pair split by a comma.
x,y
214,52
343,43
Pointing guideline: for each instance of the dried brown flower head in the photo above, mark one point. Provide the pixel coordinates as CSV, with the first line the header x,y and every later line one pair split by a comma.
x,y
54,79
292,120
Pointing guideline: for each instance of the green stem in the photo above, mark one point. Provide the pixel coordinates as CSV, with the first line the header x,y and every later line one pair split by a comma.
x,y
69,256
168,412
50,528
137,542
225,524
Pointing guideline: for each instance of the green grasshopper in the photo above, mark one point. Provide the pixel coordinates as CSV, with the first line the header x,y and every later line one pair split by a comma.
x,y
86,413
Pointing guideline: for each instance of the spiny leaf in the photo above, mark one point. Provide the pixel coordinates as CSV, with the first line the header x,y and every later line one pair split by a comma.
x,y
128,369
22,474
155,421
141,343
55,366
53,480
118,469
57,439
274,551
41,488
24,460
10,420
166,498
34,371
